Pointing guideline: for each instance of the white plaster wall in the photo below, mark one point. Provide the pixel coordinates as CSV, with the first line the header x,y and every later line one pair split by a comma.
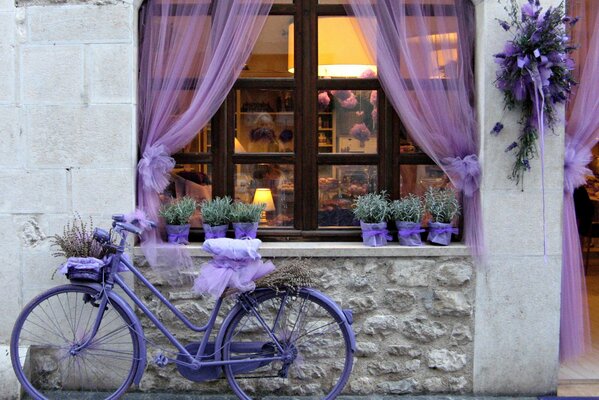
x,y
518,291
67,133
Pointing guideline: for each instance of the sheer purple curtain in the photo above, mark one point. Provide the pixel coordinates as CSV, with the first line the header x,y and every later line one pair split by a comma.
x,y
425,67
191,53
582,133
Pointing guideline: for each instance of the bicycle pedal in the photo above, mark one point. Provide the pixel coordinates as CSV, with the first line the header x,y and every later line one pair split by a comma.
x,y
161,360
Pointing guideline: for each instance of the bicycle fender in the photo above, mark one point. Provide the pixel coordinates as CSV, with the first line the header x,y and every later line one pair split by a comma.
x,y
344,315
115,297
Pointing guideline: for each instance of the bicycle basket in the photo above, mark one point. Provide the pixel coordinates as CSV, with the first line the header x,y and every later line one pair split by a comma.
x,y
87,269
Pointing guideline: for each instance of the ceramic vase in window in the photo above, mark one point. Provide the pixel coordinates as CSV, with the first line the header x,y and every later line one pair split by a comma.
x,y
443,207
245,218
177,214
371,210
216,215
407,213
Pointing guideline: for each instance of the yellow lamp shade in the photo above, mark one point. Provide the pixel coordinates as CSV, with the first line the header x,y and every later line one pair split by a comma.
x,y
264,196
341,51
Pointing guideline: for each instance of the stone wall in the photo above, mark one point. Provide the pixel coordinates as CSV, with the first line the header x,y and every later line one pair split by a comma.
x,y
413,319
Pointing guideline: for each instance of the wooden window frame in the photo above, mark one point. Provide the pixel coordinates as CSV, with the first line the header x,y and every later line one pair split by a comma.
x,y
306,158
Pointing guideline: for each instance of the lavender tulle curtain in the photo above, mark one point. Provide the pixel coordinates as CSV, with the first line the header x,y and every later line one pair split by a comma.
x,y
582,133
424,58
191,53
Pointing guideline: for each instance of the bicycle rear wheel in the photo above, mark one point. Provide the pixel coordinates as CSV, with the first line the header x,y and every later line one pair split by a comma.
x,y
44,344
313,336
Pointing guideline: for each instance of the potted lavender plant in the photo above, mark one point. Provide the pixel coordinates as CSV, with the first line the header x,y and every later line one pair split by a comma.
x,y
245,218
371,210
443,206
407,213
216,215
177,214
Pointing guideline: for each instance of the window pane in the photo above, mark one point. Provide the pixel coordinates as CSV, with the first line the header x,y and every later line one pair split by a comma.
x,y
278,179
271,56
338,186
193,180
264,121
347,121
342,50
416,178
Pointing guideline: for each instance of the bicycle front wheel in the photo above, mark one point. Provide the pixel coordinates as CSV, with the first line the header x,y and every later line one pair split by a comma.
x,y
315,340
46,340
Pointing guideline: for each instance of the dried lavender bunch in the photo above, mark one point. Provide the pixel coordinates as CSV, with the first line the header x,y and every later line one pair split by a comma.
x,y
442,204
77,240
407,209
293,275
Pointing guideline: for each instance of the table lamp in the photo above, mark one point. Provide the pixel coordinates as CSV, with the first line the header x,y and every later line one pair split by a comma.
x,y
264,196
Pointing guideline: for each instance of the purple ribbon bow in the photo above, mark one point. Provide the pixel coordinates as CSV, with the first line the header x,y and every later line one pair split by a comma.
x,y
575,168
464,173
444,229
374,232
154,168
408,232
179,237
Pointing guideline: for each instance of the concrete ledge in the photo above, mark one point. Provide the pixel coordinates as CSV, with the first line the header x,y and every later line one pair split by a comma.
x,y
341,249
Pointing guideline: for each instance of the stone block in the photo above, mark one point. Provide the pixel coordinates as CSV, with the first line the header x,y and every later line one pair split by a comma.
x,y
81,24
399,299
423,330
70,136
43,191
514,222
39,267
405,273
360,304
7,5
516,342
106,191
454,273
403,386
7,56
111,72
446,360
11,147
452,303
9,385
380,324
10,278
53,74
367,349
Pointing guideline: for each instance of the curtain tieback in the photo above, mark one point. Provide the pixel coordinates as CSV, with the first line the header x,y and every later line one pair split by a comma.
x,y
575,168
464,172
154,168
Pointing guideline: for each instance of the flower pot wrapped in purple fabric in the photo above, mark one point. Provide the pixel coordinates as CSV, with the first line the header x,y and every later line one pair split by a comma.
x,y
178,234
375,235
440,233
215,232
245,230
408,233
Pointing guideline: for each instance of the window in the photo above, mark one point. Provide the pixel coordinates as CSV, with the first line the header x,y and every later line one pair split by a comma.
x,y
309,121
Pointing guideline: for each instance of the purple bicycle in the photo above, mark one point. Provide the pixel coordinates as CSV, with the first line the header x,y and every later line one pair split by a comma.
x,y
83,340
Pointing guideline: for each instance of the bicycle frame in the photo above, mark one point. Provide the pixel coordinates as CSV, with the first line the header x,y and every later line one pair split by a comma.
x,y
193,361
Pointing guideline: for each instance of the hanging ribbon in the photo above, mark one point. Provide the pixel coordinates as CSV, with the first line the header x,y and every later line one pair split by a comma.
x,y
154,168
464,172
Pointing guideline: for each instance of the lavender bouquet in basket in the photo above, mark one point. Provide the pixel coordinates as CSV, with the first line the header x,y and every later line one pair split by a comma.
x,y
535,74
443,206
407,213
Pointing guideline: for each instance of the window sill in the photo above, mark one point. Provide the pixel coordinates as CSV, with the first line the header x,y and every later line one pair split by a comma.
x,y
342,250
